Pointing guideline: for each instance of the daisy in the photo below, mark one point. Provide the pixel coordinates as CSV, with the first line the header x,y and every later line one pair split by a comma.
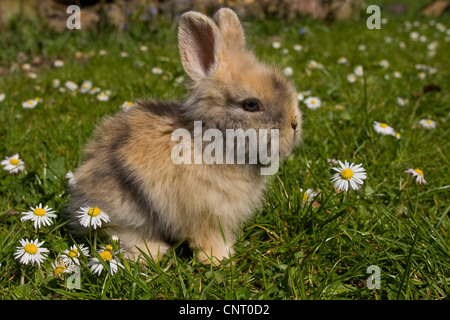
x,y
70,176
94,90
288,71
276,44
398,135
313,64
127,105
102,52
342,60
143,48
39,216
55,83
421,75
124,54
71,256
108,256
359,71
58,63
401,101
102,96
59,268
157,70
362,47
397,74
31,252
297,47
26,67
351,77
428,124
92,217
13,164
418,174
2,97
300,96
384,63
312,102
383,128
86,86
72,86
308,195
348,174
30,104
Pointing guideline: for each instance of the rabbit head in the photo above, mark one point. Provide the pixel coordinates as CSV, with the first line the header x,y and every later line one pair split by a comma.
x,y
230,88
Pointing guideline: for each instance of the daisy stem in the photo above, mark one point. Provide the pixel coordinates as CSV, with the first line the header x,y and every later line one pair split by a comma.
x,y
95,239
22,277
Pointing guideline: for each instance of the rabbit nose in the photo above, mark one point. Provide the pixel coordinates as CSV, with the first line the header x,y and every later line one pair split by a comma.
x,y
294,125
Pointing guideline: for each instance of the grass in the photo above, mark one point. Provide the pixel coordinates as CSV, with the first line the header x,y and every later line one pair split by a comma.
x,y
290,250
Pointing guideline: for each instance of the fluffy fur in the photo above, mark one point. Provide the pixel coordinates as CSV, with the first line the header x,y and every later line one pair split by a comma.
x,y
127,169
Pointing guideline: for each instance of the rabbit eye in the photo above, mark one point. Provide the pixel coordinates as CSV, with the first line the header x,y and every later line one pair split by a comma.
x,y
251,105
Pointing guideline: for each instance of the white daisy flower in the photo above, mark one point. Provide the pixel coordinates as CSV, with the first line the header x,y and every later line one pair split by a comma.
x,y
92,216
127,105
13,164
414,35
143,48
351,78
332,161
401,101
384,63
359,71
421,75
30,104
124,54
31,252
285,51
94,90
276,44
39,216
300,96
55,83
308,195
427,123
2,97
398,135
383,128
70,177
58,63
362,47
312,102
157,70
297,47
102,96
72,86
397,74
86,86
342,60
418,174
71,256
60,268
108,255
179,80
348,175
288,71
102,52
313,64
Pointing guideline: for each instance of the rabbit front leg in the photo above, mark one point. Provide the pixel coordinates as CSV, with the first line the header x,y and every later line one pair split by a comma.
x,y
212,244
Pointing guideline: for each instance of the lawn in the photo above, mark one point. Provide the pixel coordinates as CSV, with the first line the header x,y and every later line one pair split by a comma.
x,y
300,245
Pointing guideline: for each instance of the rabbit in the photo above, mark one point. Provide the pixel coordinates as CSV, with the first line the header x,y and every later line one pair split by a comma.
x,y
127,170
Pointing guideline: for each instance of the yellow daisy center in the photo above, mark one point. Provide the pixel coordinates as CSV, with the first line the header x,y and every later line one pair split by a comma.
x,y
14,162
305,197
128,103
59,270
39,212
73,253
313,101
93,212
31,248
30,102
106,255
429,121
108,248
419,172
347,174
383,125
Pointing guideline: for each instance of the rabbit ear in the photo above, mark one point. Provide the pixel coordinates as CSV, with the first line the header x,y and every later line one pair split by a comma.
x,y
231,28
199,44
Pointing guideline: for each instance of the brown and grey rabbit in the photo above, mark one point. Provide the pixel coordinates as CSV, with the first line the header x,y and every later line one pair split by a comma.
x,y
128,170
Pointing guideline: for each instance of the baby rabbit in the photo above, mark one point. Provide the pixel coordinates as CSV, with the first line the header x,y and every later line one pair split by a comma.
x,y
128,169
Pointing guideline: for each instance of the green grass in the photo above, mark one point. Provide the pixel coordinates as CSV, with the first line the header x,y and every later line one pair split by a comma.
x,y
290,250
